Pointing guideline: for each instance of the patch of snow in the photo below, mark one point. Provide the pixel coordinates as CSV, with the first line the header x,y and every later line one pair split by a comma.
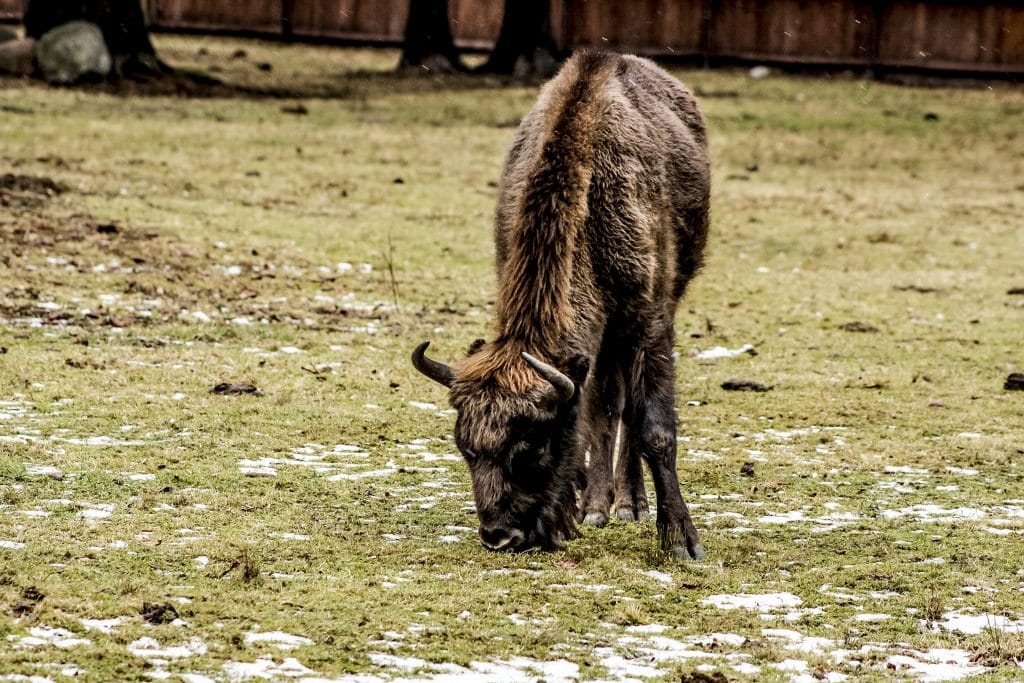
x,y
723,352
11,545
103,441
965,471
149,648
103,625
250,471
266,667
746,668
196,678
797,641
96,511
45,635
794,665
904,469
764,602
829,522
40,470
279,639
389,470
931,512
869,617
973,624
714,640
288,536
395,662
659,576
647,628
621,668
937,664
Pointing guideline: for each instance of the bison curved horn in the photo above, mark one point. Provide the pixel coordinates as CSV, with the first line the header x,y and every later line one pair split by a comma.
x,y
565,388
439,372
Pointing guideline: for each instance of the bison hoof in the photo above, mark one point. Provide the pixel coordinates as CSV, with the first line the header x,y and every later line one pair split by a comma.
x,y
628,513
681,552
598,519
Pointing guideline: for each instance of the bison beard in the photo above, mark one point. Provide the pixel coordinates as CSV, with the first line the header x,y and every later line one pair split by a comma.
x,y
601,224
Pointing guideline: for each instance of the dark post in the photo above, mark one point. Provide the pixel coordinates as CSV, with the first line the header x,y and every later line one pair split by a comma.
x,y
428,40
526,46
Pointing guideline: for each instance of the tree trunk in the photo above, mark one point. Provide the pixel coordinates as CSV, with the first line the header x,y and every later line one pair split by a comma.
x,y
428,44
121,21
526,45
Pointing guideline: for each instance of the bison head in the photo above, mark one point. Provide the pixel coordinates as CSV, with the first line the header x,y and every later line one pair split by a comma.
x,y
517,430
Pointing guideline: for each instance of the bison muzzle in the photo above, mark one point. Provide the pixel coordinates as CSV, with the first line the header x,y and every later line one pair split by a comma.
x,y
601,223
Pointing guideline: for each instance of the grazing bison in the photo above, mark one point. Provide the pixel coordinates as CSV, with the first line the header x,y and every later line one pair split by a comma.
x,y
601,223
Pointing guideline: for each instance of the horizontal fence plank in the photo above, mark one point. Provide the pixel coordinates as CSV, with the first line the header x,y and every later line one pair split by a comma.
x,y
260,16
945,33
652,26
11,10
836,31
381,20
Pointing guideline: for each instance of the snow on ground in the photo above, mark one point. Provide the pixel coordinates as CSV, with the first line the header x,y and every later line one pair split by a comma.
x,y
973,624
764,602
43,636
937,664
278,639
630,653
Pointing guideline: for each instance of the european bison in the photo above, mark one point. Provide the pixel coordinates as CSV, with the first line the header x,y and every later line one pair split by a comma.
x,y
601,223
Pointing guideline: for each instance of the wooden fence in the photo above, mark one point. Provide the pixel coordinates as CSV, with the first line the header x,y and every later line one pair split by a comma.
x,y
945,35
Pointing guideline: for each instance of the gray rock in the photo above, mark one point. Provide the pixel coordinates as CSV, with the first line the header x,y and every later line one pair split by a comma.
x,y
16,56
72,51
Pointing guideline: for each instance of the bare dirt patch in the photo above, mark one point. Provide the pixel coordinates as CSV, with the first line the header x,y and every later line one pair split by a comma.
x,y
28,191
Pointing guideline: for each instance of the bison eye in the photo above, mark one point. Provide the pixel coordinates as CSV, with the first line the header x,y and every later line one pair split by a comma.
x,y
526,454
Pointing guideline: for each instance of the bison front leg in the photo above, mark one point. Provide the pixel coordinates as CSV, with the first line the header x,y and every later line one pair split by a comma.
x,y
630,492
604,411
652,421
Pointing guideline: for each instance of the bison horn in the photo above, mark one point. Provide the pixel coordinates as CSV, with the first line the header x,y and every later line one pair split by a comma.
x,y
439,372
565,388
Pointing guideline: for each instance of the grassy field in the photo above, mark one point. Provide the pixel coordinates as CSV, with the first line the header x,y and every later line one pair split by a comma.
x,y
863,519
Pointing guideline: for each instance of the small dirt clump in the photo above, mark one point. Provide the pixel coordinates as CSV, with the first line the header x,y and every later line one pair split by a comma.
x,y
236,388
745,385
857,326
156,613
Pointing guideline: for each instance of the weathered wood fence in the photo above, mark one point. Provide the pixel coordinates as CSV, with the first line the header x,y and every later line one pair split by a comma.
x,y
946,35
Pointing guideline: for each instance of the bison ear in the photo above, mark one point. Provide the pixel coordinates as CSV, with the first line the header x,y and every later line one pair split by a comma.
x,y
578,369
475,346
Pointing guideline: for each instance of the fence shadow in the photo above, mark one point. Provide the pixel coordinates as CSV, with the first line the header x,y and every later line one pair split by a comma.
x,y
349,85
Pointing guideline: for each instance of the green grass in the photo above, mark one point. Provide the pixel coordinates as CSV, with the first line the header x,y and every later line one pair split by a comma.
x,y
229,208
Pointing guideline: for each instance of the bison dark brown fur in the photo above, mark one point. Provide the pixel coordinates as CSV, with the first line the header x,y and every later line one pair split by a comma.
x,y
601,223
